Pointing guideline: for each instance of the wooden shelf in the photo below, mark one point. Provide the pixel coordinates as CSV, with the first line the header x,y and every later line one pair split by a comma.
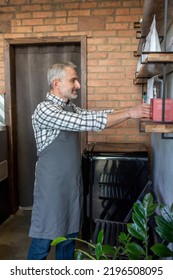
x,y
153,65
158,57
156,127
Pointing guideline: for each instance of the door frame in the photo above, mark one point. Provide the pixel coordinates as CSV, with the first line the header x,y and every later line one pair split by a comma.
x,y
10,102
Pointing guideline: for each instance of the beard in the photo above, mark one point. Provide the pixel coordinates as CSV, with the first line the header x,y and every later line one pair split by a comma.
x,y
73,95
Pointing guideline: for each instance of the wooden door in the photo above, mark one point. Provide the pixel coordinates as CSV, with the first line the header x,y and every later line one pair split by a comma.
x,y
26,85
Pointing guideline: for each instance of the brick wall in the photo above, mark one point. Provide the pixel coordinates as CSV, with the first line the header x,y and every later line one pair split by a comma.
x,y
111,40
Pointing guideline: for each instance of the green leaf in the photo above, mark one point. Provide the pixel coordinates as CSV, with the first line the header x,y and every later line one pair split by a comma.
x,y
167,213
79,255
171,208
134,256
100,236
160,221
124,238
149,204
108,250
164,228
139,222
85,254
123,235
137,232
135,249
98,251
161,250
165,235
58,240
139,210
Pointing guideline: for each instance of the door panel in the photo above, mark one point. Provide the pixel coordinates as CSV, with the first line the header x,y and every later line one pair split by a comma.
x,y
31,64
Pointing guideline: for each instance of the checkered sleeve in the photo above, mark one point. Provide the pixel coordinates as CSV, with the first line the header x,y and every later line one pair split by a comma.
x,y
52,116
84,111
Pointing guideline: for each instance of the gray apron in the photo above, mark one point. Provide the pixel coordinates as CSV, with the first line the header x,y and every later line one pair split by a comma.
x,y
58,191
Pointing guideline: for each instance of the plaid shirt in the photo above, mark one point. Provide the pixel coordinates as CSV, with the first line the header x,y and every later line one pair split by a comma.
x,y
50,118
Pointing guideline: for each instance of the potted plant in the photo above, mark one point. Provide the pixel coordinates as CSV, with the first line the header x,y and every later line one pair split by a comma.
x,y
147,235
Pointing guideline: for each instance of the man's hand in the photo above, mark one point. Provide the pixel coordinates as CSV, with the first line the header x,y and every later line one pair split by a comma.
x,y
140,111
136,112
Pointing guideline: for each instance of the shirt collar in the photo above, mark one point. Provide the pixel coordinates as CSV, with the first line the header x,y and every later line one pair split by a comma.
x,y
57,100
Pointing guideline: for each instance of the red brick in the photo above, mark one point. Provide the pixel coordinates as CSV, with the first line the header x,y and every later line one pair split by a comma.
x,y
108,3
18,2
67,27
116,96
119,40
79,13
122,11
130,18
117,26
57,21
108,48
110,62
32,22
47,14
21,29
7,9
23,15
60,14
29,8
127,33
111,76
97,69
104,33
97,97
47,28
120,55
136,11
16,22
132,3
86,5
101,12
42,1
91,23
72,20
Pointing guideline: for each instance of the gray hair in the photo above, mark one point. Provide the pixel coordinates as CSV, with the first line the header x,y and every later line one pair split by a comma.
x,y
58,71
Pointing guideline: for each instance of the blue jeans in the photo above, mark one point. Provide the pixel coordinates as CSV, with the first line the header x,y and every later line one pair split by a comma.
x,y
40,248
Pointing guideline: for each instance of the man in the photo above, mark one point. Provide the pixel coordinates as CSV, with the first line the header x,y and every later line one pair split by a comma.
x,y
56,122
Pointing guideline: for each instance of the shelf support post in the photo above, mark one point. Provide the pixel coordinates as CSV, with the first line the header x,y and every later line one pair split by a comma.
x,y
164,66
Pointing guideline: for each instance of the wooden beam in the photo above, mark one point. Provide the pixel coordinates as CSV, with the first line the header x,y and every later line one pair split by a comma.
x,y
148,126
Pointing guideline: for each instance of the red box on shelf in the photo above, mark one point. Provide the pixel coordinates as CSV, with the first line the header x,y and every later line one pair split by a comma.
x,y
156,109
